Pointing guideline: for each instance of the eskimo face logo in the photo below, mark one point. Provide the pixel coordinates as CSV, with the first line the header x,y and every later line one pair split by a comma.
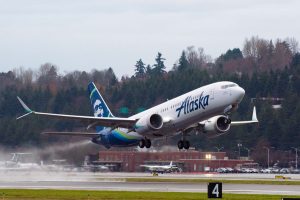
x,y
189,105
98,109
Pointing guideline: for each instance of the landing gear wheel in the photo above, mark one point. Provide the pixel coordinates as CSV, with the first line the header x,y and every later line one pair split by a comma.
x,y
186,144
180,144
147,143
142,143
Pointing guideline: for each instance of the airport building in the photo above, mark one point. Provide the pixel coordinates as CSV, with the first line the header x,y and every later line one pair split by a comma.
x,y
188,161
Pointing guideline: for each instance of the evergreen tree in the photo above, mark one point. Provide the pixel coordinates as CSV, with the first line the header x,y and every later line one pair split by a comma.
x,y
159,67
183,62
140,69
148,70
230,55
233,54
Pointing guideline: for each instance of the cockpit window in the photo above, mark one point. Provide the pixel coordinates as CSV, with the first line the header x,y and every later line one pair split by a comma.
x,y
228,85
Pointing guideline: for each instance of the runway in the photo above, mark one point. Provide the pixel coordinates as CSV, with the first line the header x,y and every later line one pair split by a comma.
x,y
104,181
157,187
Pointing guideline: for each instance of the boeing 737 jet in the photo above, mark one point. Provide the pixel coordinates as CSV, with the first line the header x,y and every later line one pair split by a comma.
x,y
161,168
205,109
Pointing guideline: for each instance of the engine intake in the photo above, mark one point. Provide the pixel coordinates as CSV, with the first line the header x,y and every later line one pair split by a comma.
x,y
156,121
217,125
150,123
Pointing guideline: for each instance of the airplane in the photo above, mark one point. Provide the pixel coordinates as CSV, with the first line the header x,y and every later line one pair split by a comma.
x,y
161,168
15,163
96,166
205,109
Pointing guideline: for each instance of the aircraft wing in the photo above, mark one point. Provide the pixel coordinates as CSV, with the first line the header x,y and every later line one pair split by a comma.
x,y
252,121
91,120
83,134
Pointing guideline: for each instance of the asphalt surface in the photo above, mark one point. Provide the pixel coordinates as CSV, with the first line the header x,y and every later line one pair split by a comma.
x,y
161,187
104,181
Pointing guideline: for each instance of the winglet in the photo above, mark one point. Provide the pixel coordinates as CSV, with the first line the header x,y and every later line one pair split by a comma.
x,y
253,120
26,108
254,117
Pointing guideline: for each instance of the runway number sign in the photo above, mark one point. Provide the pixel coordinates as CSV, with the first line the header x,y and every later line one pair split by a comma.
x,y
214,190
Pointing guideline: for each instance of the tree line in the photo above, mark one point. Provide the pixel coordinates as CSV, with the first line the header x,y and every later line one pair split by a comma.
x,y
265,69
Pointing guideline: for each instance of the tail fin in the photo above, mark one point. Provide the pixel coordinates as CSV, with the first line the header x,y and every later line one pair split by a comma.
x,y
99,106
15,157
171,163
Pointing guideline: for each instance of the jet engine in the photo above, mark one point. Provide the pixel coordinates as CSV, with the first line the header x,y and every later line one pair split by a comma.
x,y
149,123
217,125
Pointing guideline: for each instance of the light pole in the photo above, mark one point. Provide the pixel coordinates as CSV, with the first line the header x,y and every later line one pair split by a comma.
x,y
239,146
248,152
219,148
268,152
296,160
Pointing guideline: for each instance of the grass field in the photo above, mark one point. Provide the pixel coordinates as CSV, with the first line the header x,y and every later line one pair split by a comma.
x,y
13,194
192,180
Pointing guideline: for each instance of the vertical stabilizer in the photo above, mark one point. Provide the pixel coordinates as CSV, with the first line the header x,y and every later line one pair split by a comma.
x,y
99,106
15,157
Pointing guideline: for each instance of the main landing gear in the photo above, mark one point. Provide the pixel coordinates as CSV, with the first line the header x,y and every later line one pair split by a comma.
x,y
183,144
145,143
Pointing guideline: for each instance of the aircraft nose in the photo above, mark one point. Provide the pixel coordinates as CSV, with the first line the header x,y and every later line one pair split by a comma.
x,y
240,93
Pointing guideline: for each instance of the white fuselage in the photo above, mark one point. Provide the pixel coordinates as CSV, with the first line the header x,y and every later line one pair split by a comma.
x,y
193,107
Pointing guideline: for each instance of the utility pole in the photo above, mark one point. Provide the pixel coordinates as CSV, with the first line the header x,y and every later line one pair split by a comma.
x,y
219,149
296,160
268,154
248,152
239,146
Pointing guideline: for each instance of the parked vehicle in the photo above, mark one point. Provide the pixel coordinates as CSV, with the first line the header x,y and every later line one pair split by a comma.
x,y
284,171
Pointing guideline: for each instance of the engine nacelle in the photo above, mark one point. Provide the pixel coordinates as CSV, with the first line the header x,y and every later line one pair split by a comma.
x,y
150,123
217,125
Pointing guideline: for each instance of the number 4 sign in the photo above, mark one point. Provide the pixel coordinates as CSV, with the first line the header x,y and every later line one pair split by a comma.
x,y
214,190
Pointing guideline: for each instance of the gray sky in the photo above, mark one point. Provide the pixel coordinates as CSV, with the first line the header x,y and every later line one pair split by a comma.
x,y
82,35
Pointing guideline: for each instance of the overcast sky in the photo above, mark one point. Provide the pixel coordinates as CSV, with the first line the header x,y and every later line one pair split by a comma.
x,y
82,35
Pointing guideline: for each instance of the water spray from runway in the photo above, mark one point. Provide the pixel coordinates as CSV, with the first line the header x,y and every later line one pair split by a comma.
x,y
52,162
71,152
62,147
